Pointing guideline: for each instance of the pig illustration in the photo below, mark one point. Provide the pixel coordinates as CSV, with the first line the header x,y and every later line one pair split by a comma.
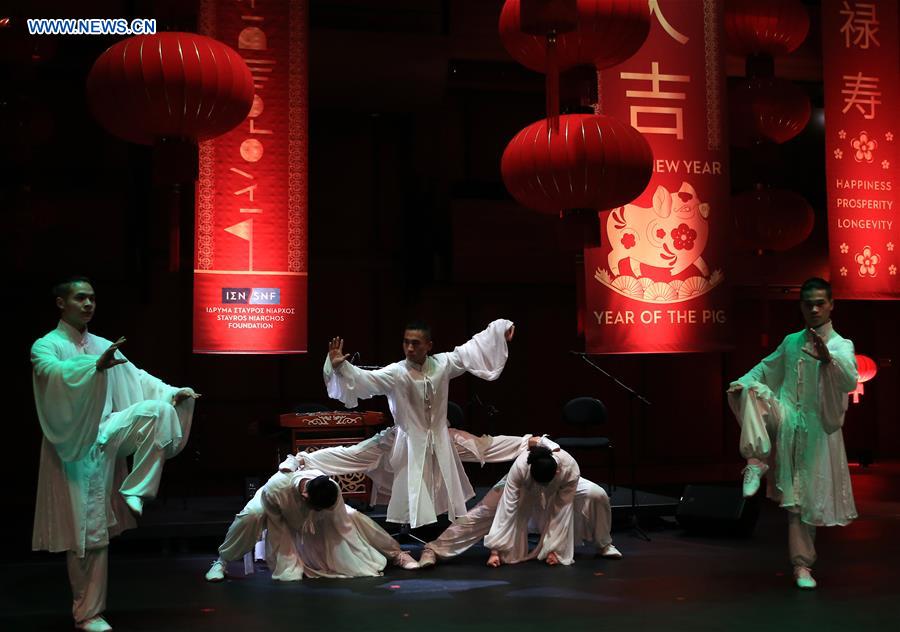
x,y
672,234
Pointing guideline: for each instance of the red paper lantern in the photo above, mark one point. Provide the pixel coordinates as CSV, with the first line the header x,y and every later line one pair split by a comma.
x,y
773,27
766,109
607,33
772,219
592,162
179,85
866,367
867,370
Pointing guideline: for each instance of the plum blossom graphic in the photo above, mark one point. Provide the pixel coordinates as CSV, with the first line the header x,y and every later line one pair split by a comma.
x,y
892,270
683,237
867,261
890,246
864,147
889,136
885,164
838,154
845,248
843,271
628,240
842,134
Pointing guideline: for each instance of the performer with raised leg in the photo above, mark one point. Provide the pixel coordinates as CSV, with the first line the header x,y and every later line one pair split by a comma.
x,y
95,409
791,409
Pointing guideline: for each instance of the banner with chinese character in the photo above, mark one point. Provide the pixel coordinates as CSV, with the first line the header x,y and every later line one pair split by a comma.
x,y
860,67
250,269
656,285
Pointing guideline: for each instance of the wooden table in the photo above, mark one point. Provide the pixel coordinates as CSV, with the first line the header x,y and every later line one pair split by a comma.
x,y
314,431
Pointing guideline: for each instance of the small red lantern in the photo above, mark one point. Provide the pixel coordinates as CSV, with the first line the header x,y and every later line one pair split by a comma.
x,y
607,32
772,219
169,85
592,162
867,370
766,109
772,27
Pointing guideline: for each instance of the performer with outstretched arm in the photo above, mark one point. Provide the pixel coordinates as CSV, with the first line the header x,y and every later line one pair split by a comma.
x,y
96,409
416,458
791,408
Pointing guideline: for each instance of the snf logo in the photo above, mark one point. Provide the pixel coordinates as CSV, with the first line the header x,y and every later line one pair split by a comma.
x,y
251,295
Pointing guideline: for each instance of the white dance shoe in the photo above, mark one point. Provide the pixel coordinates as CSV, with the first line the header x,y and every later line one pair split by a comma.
x,y
94,624
804,578
752,476
216,572
610,552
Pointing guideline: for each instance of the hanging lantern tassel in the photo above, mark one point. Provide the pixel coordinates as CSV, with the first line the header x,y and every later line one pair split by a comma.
x,y
552,83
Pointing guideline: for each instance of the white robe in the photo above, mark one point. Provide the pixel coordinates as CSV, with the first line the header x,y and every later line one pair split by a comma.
x,y
427,476
80,409
337,542
801,404
548,508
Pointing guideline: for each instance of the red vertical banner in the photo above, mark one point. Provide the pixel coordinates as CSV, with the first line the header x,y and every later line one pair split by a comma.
x,y
250,268
656,285
861,62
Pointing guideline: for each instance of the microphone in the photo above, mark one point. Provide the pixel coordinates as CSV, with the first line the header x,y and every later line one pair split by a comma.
x,y
578,353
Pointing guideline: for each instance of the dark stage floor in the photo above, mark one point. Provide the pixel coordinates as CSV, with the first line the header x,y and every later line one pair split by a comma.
x,y
675,582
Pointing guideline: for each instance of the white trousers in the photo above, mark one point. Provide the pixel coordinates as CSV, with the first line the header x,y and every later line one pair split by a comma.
x,y
759,415
801,541
245,530
88,578
592,517
145,431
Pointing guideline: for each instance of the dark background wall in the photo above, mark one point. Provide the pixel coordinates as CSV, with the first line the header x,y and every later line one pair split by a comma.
x,y
412,103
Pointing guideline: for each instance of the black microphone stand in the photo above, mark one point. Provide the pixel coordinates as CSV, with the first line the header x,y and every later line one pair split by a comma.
x,y
635,398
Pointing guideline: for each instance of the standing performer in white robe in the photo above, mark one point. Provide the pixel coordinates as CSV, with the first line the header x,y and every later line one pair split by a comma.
x,y
562,517
96,409
416,457
247,527
795,400
312,533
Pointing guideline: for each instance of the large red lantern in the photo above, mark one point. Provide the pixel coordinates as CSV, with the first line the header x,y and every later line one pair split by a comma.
x,y
867,370
772,219
771,27
169,85
607,32
593,162
766,109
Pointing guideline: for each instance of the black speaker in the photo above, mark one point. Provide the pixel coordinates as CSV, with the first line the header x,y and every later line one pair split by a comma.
x,y
717,510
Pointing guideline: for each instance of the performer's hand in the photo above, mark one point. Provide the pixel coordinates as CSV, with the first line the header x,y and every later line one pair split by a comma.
x,y
336,352
510,333
819,349
183,394
735,387
552,559
108,358
494,560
